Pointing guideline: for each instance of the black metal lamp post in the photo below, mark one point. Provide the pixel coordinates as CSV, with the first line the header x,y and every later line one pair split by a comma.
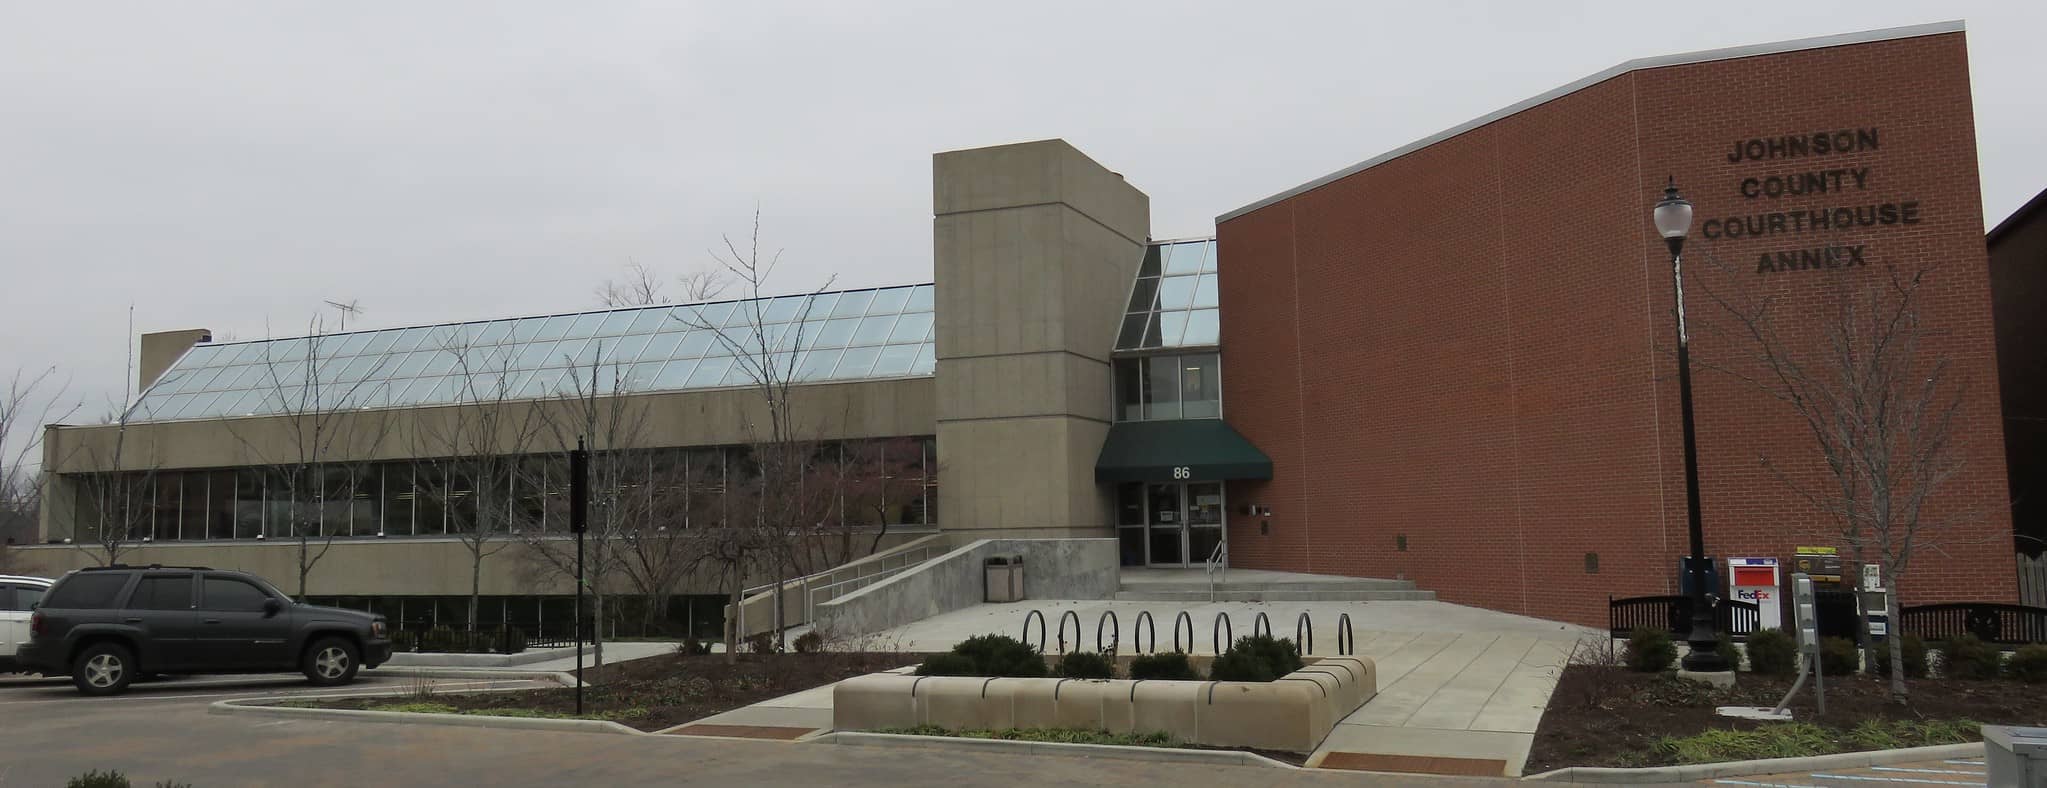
x,y
1673,221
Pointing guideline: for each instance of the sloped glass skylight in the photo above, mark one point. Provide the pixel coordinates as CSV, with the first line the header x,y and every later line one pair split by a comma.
x,y
1173,303
846,335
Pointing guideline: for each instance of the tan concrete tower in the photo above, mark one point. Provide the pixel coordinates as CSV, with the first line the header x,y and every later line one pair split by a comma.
x,y
1035,247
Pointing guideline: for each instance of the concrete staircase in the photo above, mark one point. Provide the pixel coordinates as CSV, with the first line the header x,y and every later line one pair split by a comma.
x,y
1255,586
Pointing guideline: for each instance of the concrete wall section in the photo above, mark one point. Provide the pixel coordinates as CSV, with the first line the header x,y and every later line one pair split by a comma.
x,y
1053,569
162,349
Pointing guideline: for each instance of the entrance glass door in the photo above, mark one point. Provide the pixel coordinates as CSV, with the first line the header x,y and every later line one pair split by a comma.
x,y
1204,520
1167,525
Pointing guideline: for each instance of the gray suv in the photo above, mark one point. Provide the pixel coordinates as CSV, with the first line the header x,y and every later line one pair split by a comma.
x,y
106,626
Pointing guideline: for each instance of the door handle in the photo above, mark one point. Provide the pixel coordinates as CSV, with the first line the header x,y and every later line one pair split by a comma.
x,y
131,621
209,621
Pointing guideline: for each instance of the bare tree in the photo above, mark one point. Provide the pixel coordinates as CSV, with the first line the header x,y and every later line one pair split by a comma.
x,y
314,444
643,286
474,451
783,491
877,478
32,400
595,409
1880,406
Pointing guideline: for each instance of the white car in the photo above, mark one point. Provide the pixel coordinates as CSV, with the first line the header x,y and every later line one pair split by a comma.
x,y
18,595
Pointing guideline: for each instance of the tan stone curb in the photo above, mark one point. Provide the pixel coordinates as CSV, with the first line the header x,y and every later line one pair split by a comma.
x,y
1110,751
423,671
1706,771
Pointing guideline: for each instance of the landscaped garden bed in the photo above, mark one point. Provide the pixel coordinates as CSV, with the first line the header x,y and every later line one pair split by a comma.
x,y
1084,736
648,694
1610,715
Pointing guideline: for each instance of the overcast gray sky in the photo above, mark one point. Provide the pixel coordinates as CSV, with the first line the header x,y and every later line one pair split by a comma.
x,y
231,165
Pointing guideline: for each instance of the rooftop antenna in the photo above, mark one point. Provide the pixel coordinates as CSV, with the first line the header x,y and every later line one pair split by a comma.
x,y
351,308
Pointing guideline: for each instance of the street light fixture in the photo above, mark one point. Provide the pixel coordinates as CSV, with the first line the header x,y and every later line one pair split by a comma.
x,y
1673,217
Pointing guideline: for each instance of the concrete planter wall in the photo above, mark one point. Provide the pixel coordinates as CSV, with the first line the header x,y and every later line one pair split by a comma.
x,y
1293,713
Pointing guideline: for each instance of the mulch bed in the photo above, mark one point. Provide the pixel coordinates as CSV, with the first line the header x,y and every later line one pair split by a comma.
x,y
1611,716
660,692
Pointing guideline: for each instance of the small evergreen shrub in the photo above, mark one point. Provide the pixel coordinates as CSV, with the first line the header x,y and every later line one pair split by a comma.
x,y
948,665
1915,658
1170,666
693,647
1772,652
404,642
763,643
1839,656
1649,650
2029,665
98,779
809,643
512,641
1001,655
1236,665
1086,665
1277,653
1966,657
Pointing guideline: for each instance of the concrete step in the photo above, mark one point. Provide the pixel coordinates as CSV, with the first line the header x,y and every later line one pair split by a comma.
x,y
1282,595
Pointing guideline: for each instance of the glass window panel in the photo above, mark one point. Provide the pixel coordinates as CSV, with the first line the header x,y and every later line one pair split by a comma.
x,y
349,344
1129,389
1204,327
741,374
494,332
1153,255
229,402
1133,331
703,341
701,315
927,358
201,356
641,376
627,349
780,335
856,363
1144,295
163,406
565,353
1200,386
173,381
818,364
783,310
1176,292
585,325
835,333
1185,258
545,383
534,355
921,299
675,375
1167,329
202,405
911,327
1204,291
357,368
853,304
285,349
597,351
439,362
889,301
895,361
616,323
648,321
408,339
1162,387
710,372
380,342
214,378
527,329
874,330
229,378
661,347
821,305
744,313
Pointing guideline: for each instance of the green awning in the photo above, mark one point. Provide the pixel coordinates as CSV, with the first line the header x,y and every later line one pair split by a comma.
x,y
1186,450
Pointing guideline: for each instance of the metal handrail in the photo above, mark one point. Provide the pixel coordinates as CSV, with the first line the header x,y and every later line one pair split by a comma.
x,y
1218,563
865,572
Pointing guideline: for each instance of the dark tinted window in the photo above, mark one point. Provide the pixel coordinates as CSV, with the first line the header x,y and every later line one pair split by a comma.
x,y
7,599
229,594
26,597
162,592
87,591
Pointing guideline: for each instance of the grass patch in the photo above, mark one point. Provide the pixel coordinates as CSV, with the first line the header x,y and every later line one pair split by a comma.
x,y
1060,735
1800,739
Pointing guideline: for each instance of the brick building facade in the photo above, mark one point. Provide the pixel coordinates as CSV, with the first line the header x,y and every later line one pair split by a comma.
x,y
1459,355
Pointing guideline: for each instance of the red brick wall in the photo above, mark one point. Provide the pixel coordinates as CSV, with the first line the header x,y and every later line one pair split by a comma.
x,y
1471,345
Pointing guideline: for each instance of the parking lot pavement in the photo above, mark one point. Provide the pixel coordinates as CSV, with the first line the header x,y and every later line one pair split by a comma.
x,y
163,732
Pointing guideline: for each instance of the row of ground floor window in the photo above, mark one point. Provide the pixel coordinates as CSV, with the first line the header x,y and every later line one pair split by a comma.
x,y
543,618
867,482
